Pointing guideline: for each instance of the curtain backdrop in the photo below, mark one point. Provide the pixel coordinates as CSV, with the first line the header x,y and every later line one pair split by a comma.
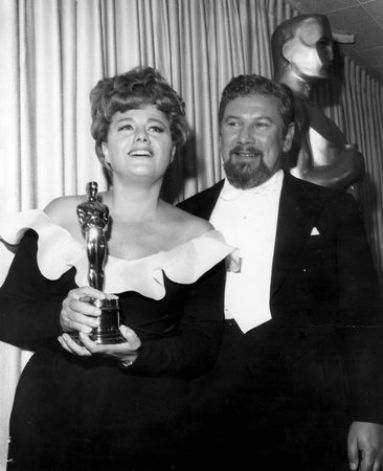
x,y
53,51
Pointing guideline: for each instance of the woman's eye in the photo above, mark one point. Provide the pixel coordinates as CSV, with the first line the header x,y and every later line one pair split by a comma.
x,y
125,127
156,129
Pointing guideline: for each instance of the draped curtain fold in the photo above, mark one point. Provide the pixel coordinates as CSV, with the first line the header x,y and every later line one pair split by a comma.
x,y
53,52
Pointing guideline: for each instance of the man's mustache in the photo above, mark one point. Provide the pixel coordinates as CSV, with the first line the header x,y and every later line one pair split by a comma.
x,y
241,149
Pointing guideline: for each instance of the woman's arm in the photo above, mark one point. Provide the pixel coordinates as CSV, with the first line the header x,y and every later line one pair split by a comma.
x,y
29,315
195,349
188,354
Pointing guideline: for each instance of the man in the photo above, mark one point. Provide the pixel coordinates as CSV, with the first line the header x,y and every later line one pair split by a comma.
x,y
302,53
286,386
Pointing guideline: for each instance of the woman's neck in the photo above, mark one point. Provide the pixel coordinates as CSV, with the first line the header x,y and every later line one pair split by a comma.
x,y
134,202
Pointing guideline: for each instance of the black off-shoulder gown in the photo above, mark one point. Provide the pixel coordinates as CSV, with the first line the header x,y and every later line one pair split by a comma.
x,y
74,413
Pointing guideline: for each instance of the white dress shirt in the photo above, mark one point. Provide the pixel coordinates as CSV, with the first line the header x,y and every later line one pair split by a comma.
x,y
248,221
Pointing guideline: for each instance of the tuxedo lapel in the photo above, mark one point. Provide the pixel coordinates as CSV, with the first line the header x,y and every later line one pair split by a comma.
x,y
203,203
299,208
298,214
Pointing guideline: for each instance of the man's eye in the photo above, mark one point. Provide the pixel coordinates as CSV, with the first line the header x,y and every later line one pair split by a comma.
x,y
231,124
261,125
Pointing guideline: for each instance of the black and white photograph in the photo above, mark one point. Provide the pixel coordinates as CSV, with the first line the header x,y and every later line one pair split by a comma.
x,y
191,235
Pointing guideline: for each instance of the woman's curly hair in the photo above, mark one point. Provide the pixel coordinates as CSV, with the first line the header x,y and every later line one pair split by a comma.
x,y
135,89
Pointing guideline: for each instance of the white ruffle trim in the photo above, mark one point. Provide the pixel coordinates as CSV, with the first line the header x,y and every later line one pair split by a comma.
x,y
58,252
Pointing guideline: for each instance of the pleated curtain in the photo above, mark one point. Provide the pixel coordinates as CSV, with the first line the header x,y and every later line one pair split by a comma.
x,y
54,51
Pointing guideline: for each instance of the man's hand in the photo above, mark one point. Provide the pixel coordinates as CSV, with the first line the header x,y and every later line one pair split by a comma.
x,y
365,446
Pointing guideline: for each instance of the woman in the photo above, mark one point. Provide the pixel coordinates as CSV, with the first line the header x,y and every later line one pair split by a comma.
x,y
82,405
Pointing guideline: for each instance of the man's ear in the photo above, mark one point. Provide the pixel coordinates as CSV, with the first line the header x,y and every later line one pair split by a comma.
x,y
288,139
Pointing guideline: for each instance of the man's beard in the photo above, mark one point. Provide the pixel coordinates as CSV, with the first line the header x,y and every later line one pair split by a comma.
x,y
246,173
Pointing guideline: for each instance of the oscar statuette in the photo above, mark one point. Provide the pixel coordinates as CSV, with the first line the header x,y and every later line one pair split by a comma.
x,y
93,217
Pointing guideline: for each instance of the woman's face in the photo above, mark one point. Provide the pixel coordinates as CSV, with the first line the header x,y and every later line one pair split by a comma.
x,y
139,144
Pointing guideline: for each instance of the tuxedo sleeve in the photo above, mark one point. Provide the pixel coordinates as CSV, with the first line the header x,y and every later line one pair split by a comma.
x,y
194,350
361,313
29,311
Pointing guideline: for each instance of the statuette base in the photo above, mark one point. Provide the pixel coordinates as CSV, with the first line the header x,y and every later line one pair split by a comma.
x,y
108,331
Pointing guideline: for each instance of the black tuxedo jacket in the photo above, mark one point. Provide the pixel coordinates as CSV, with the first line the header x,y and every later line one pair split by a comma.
x,y
323,280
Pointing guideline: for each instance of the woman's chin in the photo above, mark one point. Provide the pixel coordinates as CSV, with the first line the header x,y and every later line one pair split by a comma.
x,y
141,177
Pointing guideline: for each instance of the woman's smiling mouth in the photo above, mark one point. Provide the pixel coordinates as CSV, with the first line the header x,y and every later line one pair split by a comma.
x,y
140,153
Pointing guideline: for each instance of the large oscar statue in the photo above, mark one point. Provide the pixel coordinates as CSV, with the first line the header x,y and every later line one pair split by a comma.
x,y
93,217
302,53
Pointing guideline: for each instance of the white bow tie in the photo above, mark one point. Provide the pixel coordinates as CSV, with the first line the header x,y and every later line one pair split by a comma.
x,y
231,193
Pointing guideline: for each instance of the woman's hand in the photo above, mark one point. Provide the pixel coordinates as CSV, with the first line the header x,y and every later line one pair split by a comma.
x,y
125,352
78,314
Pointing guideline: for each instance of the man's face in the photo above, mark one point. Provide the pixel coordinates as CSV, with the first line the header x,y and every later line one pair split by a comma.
x,y
310,51
252,139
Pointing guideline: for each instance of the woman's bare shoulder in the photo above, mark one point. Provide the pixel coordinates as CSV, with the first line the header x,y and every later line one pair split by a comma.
x,y
187,226
62,210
